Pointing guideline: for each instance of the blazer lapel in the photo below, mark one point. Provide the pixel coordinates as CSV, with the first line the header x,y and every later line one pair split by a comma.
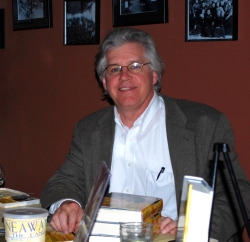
x,y
103,138
181,143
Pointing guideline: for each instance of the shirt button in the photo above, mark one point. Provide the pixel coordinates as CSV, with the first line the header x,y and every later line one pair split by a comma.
x,y
129,164
127,191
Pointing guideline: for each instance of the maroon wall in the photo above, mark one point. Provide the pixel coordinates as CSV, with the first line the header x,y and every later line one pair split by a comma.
x,y
47,87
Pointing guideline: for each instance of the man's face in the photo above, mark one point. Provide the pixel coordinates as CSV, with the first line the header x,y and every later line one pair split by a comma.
x,y
130,91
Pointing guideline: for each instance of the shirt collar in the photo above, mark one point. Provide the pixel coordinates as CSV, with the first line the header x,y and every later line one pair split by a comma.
x,y
144,120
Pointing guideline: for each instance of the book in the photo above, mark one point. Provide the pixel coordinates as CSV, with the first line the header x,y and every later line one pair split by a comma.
x,y
10,198
122,207
195,210
113,229
103,238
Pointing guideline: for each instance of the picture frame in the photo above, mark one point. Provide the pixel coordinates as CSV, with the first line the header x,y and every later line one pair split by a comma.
x,y
215,20
32,14
129,13
81,22
2,34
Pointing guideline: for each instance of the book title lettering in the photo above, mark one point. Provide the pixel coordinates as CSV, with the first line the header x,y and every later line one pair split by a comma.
x,y
23,229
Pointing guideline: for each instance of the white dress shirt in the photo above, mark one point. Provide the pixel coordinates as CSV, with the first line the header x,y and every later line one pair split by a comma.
x,y
139,154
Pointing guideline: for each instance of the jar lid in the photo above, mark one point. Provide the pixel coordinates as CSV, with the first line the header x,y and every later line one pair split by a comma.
x,y
26,212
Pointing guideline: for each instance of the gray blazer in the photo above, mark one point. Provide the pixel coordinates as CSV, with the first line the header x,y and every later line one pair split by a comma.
x,y
192,130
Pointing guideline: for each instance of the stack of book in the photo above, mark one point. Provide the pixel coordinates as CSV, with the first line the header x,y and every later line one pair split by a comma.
x,y
10,198
120,208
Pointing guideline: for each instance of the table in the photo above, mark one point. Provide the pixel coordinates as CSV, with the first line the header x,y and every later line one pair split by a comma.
x,y
67,238
61,237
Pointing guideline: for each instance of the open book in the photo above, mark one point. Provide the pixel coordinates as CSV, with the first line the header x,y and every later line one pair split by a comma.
x,y
195,210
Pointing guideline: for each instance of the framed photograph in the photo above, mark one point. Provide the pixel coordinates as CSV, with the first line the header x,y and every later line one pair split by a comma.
x,y
208,20
2,29
140,12
81,22
32,14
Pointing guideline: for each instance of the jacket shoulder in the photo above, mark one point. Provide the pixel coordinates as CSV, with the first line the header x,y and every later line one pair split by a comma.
x,y
100,117
193,110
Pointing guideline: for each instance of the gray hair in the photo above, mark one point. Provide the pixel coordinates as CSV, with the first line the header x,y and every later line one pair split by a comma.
x,y
120,36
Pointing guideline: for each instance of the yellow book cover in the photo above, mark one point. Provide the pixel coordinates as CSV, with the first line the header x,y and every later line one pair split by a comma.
x,y
189,200
153,220
195,210
53,236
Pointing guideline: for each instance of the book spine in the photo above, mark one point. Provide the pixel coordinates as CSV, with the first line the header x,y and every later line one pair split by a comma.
x,y
152,209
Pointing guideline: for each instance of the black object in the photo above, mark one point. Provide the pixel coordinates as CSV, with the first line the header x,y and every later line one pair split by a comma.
x,y
2,29
222,147
2,176
22,197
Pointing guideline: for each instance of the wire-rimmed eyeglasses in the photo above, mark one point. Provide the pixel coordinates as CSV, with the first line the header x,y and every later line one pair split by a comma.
x,y
134,67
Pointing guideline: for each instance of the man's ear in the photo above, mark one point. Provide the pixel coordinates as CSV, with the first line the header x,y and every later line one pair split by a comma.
x,y
104,83
155,77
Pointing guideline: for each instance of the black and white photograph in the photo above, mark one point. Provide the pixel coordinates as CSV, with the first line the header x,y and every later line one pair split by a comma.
x,y
81,22
29,9
138,6
30,14
208,20
137,12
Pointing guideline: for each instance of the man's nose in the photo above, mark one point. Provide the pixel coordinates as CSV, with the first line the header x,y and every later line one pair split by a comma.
x,y
124,72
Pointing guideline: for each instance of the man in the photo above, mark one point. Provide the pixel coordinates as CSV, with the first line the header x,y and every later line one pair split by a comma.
x,y
148,140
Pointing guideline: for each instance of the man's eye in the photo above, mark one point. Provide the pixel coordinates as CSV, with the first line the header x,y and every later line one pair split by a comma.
x,y
115,69
135,66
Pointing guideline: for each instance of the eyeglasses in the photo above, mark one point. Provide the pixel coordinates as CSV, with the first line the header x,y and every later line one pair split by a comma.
x,y
115,70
